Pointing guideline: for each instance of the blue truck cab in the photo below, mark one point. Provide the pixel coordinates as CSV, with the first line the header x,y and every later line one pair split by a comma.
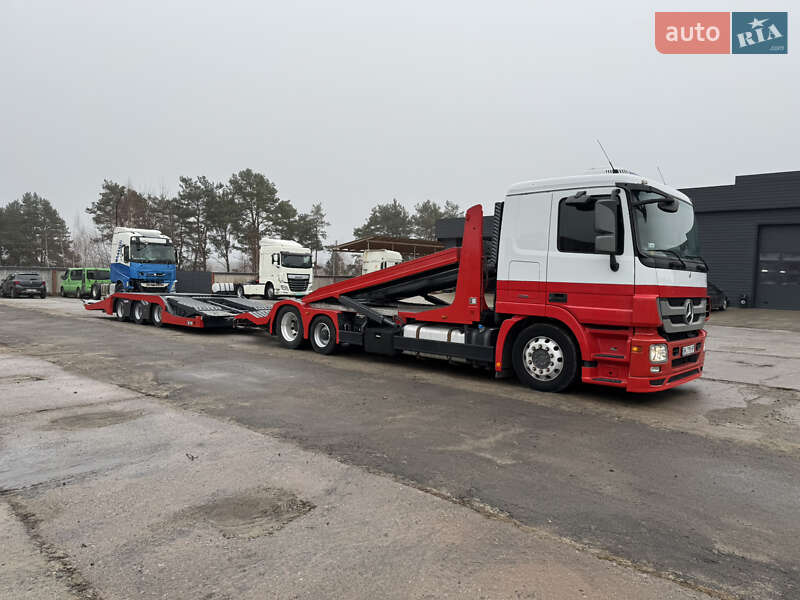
x,y
143,260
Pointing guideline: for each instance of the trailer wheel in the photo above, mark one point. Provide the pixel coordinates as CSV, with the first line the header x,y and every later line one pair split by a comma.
x,y
139,312
290,328
240,291
545,358
156,315
323,335
269,291
119,310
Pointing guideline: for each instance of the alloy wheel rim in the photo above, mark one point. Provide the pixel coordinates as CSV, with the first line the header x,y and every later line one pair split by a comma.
x,y
322,335
289,327
543,358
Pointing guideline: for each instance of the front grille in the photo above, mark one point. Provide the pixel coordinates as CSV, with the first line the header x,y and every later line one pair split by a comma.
x,y
674,312
679,362
297,284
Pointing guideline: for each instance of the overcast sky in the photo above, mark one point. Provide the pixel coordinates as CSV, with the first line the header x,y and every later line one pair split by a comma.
x,y
355,103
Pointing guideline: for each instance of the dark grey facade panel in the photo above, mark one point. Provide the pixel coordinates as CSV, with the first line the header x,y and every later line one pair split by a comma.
x,y
750,192
729,242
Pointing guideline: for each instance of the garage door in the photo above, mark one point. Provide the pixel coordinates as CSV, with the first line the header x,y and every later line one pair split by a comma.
x,y
778,281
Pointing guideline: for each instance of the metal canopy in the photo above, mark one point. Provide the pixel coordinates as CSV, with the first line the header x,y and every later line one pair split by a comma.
x,y
416,247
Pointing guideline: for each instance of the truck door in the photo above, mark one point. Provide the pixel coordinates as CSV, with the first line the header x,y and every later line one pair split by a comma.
x,y
579,278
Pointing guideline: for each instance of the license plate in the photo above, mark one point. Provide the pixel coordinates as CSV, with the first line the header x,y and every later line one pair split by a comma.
x,y
687,350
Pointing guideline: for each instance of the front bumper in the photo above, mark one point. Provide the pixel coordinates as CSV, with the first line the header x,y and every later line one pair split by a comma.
x,y
676,371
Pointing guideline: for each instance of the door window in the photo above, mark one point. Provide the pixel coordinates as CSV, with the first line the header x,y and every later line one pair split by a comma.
x,y
576,226
75,275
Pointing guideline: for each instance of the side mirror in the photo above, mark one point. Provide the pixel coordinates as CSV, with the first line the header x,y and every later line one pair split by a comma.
x,y
606,235
276,259
670,206
126,254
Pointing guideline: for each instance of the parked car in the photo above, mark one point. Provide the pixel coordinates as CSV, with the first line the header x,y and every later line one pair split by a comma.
x,y
81,281
23,284
719,301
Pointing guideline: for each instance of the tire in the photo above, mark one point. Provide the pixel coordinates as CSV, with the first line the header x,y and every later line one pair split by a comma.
x,y
323,335
290,327
63,293
239,291
95,292
545,358
43,294
119,310
78,293
13,292
157,315
724,305
118,287
139,312
269,291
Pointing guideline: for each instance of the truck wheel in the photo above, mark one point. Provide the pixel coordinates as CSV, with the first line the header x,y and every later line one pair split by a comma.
x,y
323,335
119,310
156,315
95,292
545,357
290,328
139,312
240,291
269,292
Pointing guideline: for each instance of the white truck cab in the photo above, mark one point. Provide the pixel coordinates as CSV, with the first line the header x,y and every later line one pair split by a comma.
x,y
375,260
285,269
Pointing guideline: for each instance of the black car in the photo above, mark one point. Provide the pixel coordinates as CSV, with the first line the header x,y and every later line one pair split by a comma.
x,y
719,301
23,284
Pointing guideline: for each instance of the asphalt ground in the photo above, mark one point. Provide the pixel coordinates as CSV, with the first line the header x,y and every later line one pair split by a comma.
x,y
510,493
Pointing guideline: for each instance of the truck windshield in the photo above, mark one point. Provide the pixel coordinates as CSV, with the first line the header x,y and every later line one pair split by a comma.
x,y
296,261
663,233
144,252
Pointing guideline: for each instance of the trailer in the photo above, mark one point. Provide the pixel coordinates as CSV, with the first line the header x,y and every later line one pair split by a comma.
x,y
594,278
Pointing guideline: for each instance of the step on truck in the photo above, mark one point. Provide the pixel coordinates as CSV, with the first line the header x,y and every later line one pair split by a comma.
x,y
595,278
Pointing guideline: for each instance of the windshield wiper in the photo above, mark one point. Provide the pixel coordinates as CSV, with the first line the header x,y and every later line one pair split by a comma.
x,y
675,254
700,258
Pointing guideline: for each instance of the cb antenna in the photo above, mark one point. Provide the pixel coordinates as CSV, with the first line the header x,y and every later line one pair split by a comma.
x,y
664,181
613,168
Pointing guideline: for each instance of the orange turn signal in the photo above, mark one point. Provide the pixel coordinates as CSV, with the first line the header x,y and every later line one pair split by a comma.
x,y
636,348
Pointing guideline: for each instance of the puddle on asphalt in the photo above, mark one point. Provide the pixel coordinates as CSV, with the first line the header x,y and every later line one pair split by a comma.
x,y
251,514
93,420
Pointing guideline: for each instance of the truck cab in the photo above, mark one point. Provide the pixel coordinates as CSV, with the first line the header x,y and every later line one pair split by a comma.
x,y
375,260
615,260
143,261
285,268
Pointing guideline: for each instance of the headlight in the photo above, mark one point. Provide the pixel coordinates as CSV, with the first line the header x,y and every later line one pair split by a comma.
x,y
658,353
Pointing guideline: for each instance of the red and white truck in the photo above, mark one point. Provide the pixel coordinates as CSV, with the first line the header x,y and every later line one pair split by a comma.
x,y
596,278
